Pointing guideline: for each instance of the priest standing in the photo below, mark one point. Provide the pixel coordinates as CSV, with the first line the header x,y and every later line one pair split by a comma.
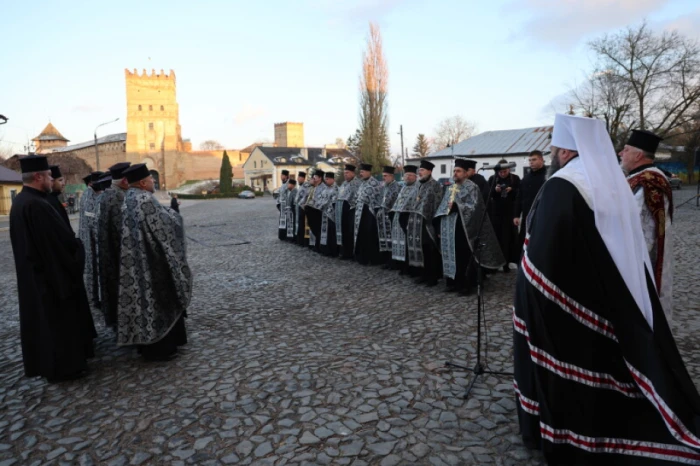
x,y
423,251
345,212
56,327
529,187
598,376
404,205
366,236
109,241
313,211
291,209
300,224
87,234
155,281
390,191
281,205
654,199
57,187
328,242
459,224
504,189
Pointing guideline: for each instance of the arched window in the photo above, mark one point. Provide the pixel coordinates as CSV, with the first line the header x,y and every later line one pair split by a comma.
x,y
139,108
150,107
162,108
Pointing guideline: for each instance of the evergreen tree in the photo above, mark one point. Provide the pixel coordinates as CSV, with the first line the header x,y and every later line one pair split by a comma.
x,y
225,175
422,146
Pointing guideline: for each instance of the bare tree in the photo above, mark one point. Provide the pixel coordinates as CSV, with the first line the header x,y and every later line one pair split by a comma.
x,y
374,142
211,144
452,130
422,146
652,80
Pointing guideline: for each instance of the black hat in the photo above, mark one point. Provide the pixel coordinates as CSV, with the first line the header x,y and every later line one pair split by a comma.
x,y
86,179
117,170
318,173
55,172
389,170
34,163
410,169
366,167
301,174
465,164
330,175
644,140
503,162
95,176
103,183
285,172
427,165
350,168
136,172
292,181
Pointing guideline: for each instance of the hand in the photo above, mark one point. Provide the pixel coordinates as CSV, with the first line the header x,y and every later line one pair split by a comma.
x,y
516,222
509,189
498,189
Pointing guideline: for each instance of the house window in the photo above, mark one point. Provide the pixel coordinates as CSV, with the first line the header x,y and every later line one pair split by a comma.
x,y
150,107
255,164
150,126
162,108
139,108
443,169
152,146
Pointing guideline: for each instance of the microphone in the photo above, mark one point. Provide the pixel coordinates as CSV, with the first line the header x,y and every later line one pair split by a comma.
x,y
499,166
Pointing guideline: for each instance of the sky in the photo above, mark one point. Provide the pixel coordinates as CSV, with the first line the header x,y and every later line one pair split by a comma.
x,y
242,66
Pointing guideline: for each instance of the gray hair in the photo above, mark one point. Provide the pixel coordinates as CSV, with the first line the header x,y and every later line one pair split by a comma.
x,y
28,177
117,181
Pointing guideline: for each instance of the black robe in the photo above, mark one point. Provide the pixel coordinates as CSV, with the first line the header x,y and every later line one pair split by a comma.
x,y
594,384
348,225
313,216
56,326
175,205
483,185
301,227
52,199
529,187
501,215
367,244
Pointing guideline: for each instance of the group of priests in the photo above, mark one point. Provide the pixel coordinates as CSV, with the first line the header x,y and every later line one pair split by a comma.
x,y
415,227
127,263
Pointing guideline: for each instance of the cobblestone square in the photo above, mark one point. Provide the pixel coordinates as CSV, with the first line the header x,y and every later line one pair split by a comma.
x,y
294,358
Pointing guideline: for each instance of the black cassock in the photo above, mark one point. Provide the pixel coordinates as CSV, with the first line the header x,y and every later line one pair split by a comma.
x,y
501,215
56,326
595,385
348,225
483,185
367,243
313,216
52,199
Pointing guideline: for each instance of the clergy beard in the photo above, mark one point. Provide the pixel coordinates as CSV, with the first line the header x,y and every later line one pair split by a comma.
x,y
555,166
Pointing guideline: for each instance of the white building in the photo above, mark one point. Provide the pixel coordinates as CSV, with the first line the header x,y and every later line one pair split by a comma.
x,y
488,148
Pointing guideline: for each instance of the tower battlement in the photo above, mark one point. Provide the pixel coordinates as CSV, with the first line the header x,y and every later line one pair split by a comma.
x,y
162,76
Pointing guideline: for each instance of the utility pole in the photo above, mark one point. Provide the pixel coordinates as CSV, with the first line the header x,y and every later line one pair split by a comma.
x,y
402,159
97,154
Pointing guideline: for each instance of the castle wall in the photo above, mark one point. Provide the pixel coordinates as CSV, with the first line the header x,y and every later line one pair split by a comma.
x,y
289,134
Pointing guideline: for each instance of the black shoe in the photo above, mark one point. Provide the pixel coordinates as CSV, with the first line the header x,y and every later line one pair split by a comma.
x,y
466,291
506,269
431,283
450,289
420,280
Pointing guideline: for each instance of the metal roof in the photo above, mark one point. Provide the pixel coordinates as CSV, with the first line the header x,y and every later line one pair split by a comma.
x,y
503,142
117,137
9,176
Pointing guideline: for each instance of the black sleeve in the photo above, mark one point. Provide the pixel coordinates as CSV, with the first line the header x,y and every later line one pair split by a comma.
x,y
518,205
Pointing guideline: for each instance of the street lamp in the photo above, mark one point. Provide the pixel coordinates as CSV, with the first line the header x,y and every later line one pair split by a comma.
x,y
97,155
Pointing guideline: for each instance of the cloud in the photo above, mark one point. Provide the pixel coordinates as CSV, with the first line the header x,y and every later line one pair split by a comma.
x,y
248,113
563,23
358,12
87,108
688,24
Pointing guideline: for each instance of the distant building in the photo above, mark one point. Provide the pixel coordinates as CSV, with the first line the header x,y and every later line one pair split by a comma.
x,y
10,186
48,140
289,134
263,168
489,147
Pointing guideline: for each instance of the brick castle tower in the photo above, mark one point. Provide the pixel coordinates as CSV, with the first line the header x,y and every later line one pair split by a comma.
x,y
289,134
152,113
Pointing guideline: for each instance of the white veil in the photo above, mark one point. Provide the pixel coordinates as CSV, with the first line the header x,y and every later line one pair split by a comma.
x,y
616,213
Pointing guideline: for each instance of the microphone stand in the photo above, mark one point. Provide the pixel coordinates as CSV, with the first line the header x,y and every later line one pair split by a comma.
x,y
479,368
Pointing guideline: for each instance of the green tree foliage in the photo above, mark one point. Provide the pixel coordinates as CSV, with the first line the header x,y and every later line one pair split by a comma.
x,y
422,146
225,175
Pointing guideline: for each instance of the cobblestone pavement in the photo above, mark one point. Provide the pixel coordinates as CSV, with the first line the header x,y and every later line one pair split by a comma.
x,y
293,359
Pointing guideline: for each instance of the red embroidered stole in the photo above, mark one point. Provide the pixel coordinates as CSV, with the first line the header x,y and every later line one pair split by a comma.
x,y
656,187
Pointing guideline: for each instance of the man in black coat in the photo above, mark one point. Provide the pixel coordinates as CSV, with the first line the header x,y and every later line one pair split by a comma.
x,y
56,326
504,190
59,183
477,178
529,187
